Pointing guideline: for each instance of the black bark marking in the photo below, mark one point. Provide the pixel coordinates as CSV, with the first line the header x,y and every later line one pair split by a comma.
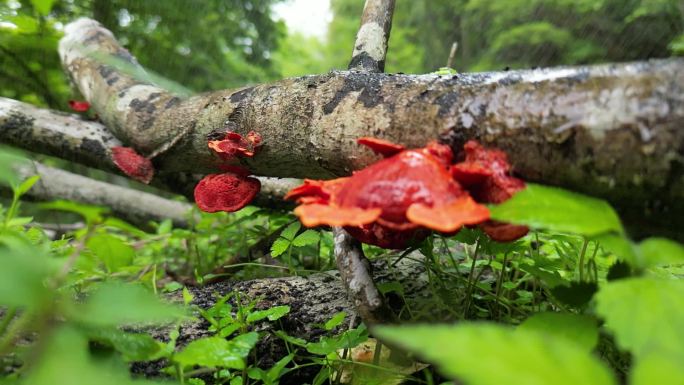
x,y
446,101
172,102
93,148
368,84
239,96
18,122
365,61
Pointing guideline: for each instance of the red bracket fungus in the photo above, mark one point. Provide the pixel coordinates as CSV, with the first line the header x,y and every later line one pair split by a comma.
x,y
402,197
233,189
133,164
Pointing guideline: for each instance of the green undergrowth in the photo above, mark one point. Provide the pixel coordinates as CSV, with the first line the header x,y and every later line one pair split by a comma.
x,y
575,301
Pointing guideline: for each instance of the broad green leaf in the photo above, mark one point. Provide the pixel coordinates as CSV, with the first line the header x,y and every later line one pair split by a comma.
x,y
26,185
309,237
291,230
579,329
279,247
333,322
660,251
657,369
125,226
112,251
133,346
272,314
645,314
8,160
65,359
218,352
43,6
489,354
23,274
115,304
558,210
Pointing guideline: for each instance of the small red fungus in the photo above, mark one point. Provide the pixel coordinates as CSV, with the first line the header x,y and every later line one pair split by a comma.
x,y
233,145
403,197
79,106
225,192
133,164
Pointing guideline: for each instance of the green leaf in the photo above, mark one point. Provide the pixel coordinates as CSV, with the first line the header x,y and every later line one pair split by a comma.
x,y
346,340
187,296
309,237
292,340
644,314
336,320
90,213
579,329
558,210
9,159
272,314
115,304
43,6
65,359
660,251
218,352
23,274
279,247
489,354
620,246
133,346
291,230
112,251
26,185
577,294
658,369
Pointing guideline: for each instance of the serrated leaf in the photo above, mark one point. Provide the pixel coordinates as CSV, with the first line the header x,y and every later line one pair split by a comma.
x,y
279,247
489,354
291,230
645,314
218,352
555,209
579,329
272,314
112,251
309,237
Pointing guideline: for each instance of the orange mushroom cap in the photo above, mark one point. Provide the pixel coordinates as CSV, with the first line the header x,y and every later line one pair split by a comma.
x,y
133,164
394,201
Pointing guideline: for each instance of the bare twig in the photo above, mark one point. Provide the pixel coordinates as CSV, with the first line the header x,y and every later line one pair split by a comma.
x,y
370,48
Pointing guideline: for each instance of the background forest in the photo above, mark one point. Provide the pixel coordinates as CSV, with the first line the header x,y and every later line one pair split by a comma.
x,y
591,305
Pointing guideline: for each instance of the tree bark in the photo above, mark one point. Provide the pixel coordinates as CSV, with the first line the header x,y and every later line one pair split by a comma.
x,y
612,131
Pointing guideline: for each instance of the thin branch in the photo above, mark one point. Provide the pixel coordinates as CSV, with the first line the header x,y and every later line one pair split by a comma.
x,y
370,47
131,205
369,56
